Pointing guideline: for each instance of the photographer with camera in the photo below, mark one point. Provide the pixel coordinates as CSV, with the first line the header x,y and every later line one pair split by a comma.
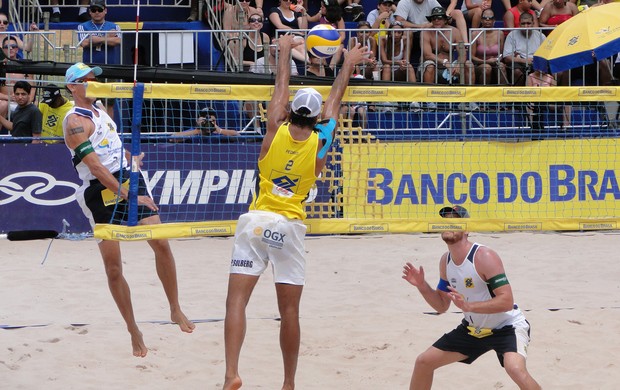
x,y
206,125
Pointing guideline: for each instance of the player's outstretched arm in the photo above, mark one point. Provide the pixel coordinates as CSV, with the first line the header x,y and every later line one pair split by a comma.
x,y
351,58
276,111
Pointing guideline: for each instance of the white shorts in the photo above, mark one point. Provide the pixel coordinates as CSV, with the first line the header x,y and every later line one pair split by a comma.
x,y
263,236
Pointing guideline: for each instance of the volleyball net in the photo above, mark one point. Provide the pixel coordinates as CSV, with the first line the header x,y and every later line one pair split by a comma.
x,y
518,158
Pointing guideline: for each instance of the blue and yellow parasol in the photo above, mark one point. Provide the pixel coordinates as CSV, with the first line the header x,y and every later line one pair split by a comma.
x,y
589,36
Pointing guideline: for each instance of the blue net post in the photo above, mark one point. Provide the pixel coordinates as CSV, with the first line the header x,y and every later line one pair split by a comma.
x,y
134,175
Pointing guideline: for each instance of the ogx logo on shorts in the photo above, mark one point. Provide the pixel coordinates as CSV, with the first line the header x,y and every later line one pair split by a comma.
x,y
273,239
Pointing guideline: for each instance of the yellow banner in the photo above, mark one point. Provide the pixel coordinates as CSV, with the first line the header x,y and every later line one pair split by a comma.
x,y
528,182
361,94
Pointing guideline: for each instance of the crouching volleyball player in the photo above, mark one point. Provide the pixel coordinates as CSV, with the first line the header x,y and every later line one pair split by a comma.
x,y
472,277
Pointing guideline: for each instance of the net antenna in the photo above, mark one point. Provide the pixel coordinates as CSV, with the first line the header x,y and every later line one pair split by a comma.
x,y
138,96
135,47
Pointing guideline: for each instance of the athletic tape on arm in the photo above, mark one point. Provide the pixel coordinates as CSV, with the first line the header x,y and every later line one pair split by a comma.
x,y
498,281
326,134
84,149
443,285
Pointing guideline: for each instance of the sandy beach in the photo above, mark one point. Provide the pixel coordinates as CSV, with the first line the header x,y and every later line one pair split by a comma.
x,y
362,325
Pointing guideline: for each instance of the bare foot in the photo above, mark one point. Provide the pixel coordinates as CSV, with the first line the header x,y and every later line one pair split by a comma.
x,y
179,318
139,348
232,383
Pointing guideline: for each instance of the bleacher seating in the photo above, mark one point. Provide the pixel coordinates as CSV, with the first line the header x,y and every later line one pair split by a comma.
x,y
443,123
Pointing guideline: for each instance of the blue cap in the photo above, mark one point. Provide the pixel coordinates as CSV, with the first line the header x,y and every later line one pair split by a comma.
x,y
79,70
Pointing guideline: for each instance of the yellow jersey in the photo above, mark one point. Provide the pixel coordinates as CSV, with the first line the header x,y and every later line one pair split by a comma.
x,y
52,120
286,174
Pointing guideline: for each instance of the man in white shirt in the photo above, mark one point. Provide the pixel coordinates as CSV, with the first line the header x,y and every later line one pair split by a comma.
x,y
519,48
412,13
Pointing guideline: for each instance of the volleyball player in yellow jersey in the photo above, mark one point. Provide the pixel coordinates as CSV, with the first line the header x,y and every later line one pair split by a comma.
x,y
292,155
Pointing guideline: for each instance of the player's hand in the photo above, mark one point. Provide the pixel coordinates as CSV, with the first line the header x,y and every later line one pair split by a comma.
x,y
356,54
148,202
415,276
458,299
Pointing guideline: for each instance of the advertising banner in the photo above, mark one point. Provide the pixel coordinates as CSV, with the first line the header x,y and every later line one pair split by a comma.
x,y
190,182
528,180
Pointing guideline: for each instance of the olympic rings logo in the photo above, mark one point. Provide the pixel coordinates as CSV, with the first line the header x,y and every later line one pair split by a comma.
x,y
34,193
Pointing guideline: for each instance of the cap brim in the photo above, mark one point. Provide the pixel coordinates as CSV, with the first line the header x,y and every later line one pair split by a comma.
x,y
430,18
461,212
95,70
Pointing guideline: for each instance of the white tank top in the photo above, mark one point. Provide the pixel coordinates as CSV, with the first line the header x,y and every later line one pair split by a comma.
x,y
105,140
466,280
401,54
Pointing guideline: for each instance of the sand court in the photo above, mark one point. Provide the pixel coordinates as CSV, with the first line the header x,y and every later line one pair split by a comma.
x,y
362,325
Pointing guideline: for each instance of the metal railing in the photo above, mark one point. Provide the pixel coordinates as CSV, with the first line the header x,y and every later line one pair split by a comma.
x,y
179,49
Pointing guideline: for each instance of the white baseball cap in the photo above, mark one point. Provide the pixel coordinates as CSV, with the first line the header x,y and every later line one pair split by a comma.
x,y
309,101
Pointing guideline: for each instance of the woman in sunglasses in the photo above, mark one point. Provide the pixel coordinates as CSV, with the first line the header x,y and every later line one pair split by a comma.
x,y
10,48
4,30
486,49
253,44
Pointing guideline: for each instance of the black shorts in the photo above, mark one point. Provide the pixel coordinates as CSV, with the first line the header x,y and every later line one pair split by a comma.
x,y
104,206
501,341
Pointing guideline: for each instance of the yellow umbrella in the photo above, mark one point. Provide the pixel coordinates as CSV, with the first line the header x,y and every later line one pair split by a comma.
x,y
589,36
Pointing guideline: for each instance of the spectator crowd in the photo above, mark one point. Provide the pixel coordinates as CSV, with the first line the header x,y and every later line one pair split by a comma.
x,y
465,42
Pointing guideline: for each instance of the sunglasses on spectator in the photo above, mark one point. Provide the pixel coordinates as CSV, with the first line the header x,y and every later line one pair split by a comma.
x,y
12,46
488,17
96,9
255,20
438,18
5,22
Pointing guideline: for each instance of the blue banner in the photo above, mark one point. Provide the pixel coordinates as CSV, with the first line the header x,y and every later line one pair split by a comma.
x,y
190,182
